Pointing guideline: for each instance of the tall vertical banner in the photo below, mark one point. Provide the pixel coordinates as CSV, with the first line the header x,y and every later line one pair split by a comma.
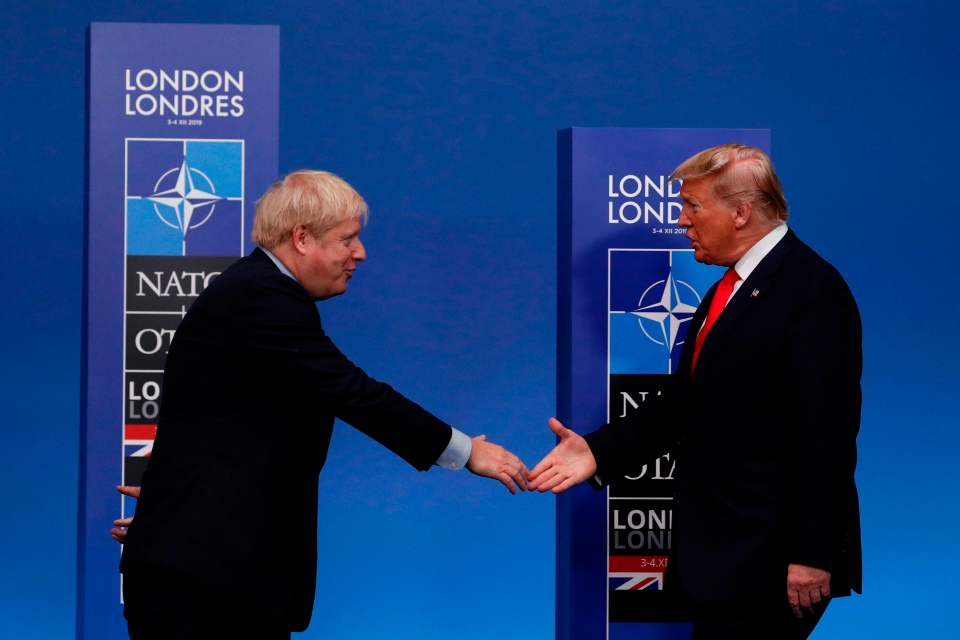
x,y
182,134
627,289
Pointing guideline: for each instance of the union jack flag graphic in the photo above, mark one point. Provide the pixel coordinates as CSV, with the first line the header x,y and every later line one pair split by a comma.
x,y
138,440
636,581
137,447
636,573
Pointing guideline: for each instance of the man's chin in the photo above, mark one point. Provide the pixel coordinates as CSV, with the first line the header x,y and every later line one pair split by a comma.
x,y
326,295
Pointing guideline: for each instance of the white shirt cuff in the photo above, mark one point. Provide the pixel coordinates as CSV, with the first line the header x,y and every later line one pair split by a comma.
x,y
457,453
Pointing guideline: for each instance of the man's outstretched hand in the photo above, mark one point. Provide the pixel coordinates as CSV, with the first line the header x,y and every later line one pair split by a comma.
x,y
571,462
493,461
119,531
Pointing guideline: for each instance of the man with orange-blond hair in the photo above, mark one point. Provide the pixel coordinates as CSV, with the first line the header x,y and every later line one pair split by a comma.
x,y
766,523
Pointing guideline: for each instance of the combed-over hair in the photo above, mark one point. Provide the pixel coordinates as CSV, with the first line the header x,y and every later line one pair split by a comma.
x,y
741,174
319,200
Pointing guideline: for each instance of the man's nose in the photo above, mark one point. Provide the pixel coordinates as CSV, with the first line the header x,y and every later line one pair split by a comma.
x,y
684,219
359,251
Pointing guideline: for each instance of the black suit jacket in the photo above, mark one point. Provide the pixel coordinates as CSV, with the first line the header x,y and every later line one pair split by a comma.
x,y
251,388
764,434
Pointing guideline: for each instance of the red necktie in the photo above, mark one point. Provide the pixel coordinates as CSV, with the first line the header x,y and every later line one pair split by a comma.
x,y
717,305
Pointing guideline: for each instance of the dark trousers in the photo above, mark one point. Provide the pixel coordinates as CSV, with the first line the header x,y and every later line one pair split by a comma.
x,y
160,604
760,623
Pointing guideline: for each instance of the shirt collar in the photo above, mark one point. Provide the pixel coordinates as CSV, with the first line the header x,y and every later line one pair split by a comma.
x,y
276,261
749,261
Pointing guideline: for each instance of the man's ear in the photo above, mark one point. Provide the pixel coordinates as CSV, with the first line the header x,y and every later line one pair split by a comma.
x,y
743,214
300,235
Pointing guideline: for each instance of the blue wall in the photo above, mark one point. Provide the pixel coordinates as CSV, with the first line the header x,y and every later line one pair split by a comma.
x,y
444,116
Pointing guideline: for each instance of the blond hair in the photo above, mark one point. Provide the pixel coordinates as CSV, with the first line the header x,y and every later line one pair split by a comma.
x,y
741,174
319,200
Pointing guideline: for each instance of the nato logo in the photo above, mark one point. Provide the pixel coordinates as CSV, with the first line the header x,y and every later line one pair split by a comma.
x,y
653,296
184,197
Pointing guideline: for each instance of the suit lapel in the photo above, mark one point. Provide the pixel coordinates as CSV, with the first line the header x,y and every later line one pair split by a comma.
x,y
763,278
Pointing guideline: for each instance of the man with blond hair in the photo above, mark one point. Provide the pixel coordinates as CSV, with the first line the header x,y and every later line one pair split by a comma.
x,y
766,524
224,539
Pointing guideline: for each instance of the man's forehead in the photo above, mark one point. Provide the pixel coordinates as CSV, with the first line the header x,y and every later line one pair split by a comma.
x,y
696,187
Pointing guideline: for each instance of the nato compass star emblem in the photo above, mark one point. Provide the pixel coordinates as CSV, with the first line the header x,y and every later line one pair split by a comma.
x,y
665,306
184,198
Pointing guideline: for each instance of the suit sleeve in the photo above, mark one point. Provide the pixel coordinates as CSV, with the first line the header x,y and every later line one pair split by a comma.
x,y
650,433
296,343
824,361
624,445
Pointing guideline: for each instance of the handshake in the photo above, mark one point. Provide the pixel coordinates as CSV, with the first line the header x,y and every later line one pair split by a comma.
x,y
569,463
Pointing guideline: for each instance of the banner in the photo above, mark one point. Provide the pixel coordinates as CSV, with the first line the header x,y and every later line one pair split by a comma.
x,y
627,288
183,133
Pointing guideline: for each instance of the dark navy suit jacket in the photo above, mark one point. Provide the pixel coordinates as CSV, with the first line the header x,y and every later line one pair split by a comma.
x,y
766,448
251,388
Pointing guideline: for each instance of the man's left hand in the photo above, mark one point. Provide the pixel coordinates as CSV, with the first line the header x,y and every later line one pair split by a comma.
x,y
493,461
808,588
119,531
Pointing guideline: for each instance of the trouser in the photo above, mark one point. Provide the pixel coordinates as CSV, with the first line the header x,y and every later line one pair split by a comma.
x,y
161,604
760,623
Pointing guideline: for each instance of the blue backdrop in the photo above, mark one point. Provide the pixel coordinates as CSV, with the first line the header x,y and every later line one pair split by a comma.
x,y
444,115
